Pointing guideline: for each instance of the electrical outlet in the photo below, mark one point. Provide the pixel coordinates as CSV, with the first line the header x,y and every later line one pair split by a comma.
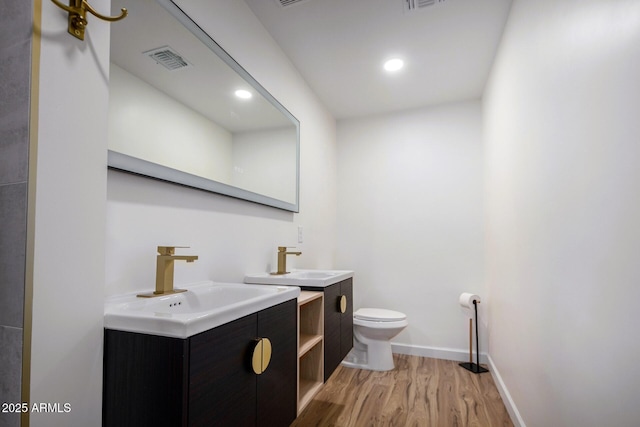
x,y
299,234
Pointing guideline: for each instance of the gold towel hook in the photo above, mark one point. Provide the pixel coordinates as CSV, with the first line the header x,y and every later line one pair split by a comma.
x,y
78,16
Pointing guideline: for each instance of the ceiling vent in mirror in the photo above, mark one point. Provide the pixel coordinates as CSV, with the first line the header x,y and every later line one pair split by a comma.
x,y
168,58
287,3
413,5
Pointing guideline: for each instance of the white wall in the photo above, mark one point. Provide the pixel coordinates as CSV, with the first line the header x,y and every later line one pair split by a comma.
x,y
68,229
562,148
410,219
231,237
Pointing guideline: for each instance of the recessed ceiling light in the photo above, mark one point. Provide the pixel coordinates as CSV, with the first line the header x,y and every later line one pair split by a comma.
x,y
244,94
393,64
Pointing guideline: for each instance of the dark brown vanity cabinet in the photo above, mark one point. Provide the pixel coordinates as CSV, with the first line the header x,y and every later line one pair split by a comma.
x,y
338,323
206,379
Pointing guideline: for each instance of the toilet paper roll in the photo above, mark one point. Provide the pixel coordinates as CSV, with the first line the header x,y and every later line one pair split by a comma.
x,y
466,299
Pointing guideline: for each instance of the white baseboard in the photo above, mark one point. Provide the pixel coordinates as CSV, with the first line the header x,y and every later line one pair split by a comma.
x,y
506,396
463,356
436,353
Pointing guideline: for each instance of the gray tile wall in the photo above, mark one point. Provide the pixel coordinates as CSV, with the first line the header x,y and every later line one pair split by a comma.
x,y
15,68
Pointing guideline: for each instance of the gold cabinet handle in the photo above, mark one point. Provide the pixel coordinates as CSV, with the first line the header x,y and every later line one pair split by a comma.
x,y
342,304
261,355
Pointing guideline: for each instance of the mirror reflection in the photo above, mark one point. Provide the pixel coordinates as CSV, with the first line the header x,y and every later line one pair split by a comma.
x,y
182,110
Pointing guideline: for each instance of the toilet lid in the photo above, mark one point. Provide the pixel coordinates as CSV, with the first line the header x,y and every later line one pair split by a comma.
x,y
379,314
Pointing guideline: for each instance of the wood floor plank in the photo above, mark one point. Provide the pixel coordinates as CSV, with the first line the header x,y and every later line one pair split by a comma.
x,y
418,392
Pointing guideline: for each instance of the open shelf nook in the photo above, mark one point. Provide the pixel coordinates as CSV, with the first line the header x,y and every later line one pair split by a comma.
x,y
310,346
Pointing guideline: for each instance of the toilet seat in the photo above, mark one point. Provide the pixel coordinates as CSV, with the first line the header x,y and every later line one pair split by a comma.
x,y
378,315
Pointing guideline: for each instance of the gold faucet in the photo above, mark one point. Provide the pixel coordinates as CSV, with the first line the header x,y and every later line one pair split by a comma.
x,y
164,270
282,259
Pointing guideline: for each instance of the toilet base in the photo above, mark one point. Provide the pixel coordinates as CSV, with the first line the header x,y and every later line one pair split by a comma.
x,y
355,359
373,357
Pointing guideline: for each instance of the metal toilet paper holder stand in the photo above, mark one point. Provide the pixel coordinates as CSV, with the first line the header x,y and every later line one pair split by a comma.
x,y
470,366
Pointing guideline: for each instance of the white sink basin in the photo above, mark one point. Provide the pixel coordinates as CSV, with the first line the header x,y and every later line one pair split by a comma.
x,y
204,306
312,278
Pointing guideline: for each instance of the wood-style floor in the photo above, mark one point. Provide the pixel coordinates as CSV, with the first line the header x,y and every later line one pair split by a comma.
x,y
418,392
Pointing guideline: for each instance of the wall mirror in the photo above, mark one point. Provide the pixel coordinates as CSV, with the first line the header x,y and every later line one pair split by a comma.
x,y
182,110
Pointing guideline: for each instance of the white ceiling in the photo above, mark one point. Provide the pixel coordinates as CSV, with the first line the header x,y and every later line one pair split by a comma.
x,y
339,47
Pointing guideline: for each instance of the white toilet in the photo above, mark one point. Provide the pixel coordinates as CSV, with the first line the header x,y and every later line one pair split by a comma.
x,y
373,329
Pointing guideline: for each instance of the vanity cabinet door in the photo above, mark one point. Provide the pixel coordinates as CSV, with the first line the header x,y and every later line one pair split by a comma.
x,y
338,326
277,385
144,380
346,320
222,387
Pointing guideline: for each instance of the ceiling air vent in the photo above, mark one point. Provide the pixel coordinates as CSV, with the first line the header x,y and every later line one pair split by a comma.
x,y
168,58
287,3
413,5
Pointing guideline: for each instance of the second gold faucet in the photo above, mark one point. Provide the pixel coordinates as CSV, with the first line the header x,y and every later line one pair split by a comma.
x,y
282,259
